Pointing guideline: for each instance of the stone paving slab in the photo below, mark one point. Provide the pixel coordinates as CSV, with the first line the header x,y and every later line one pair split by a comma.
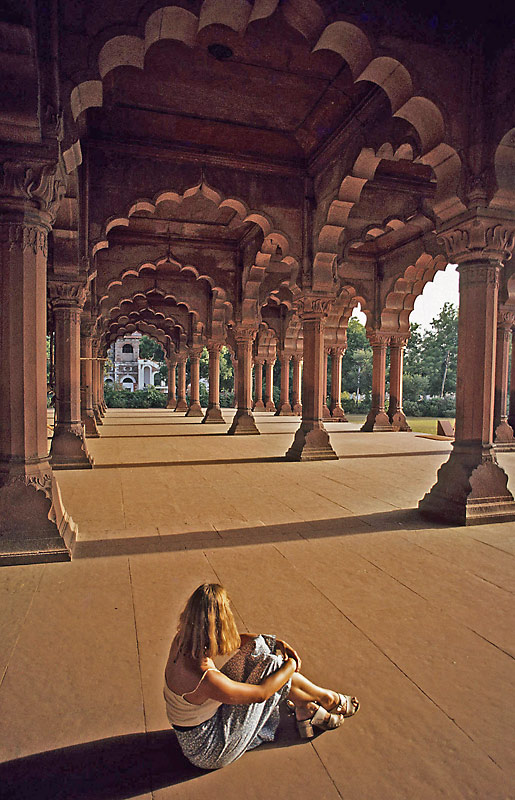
x,y
415,618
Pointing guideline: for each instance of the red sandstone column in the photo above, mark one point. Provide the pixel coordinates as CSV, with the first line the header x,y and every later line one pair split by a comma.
x,y
171,364
68,448
336,384
86,363
511,414
395,412
269,384
213,411
377,419
284,409
194,409
296,403
326,414
33,524
311,441
234,361
503,432
101,399
182,403
96,383
258,385
471,487
243,419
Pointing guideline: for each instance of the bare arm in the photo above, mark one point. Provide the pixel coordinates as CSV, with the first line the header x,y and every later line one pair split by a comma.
x,y
234,693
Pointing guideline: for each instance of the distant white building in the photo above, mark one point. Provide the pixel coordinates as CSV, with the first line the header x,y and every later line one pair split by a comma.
x,y
128,369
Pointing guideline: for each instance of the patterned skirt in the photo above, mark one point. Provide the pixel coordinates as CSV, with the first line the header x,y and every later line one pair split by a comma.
x,y
233,730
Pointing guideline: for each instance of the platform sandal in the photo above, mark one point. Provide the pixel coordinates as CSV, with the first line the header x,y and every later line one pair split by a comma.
x,y
320,719
346,706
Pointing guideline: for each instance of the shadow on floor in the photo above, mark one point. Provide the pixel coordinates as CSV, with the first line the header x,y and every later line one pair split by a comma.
x,y
396,520
109,769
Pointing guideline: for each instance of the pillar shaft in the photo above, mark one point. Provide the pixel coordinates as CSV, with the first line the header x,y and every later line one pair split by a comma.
x,y
171,364
235,379
33,524
296,399
194,409
284,401
213,411
511,413
311,441
243,422
326,414
269,384
258,385
86,366
182,403
336,384
471,487
395,411
96,384
377,419
68,448
503,432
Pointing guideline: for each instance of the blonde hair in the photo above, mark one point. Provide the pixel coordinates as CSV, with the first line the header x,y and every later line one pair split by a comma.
x,y
206,625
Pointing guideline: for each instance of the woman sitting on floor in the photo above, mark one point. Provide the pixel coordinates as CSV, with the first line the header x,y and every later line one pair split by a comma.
x,y
218,715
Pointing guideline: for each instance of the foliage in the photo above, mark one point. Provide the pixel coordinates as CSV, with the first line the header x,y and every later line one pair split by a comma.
x,y
142,398
357,361
151,350
439,351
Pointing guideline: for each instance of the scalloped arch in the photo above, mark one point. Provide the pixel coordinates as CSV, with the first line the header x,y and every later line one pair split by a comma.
x,y
399,302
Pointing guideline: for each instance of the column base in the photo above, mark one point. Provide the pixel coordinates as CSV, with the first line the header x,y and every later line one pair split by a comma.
x,y
243,423
258,406
270,406
90,427
297,409
399,422
98,416
195,410
172,404
471,489
34,527
338,414
311,443
326,414
182,405
213,414
68,449
284,410
377,421
503,437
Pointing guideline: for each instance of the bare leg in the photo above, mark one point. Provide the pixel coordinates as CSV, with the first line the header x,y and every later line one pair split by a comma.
x,y
303,693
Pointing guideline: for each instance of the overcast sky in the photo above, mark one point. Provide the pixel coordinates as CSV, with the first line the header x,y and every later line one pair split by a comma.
x,y
443,289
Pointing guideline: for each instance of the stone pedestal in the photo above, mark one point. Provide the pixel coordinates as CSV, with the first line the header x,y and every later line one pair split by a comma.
x,y
296,406
284,409
68,450
377,419
213,411
243,422
171,364
395,411
504,438
182,403
258,404
195,409
86,373
471,487
311,441
269,385
33,524
337,412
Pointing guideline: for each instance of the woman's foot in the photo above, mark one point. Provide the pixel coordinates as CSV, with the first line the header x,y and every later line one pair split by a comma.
x,y
313,715
344,704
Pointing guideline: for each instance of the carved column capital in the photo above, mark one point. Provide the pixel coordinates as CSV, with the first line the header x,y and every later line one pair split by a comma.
x,y
378,338
194,352
479,238
42,185
505,318
244,333
313,306
67,294
399,340
338,351
214,346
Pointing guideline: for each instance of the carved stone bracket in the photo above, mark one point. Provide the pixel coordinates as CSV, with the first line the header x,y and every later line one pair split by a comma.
x,y
479,238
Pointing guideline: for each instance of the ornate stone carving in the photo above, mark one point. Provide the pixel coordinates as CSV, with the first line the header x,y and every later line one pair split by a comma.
x,y
479,238
44,185
313,305
505,318
244,333
65,294
378,338
33,237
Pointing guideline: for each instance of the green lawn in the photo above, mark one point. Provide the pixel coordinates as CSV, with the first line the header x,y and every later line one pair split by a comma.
x,y
417,424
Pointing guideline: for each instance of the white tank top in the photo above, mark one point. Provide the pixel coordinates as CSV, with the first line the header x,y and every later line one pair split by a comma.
x,y
181,712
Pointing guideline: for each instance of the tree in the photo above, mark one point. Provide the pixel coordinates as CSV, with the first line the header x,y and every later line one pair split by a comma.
x,y
357,361
151,350
439,352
